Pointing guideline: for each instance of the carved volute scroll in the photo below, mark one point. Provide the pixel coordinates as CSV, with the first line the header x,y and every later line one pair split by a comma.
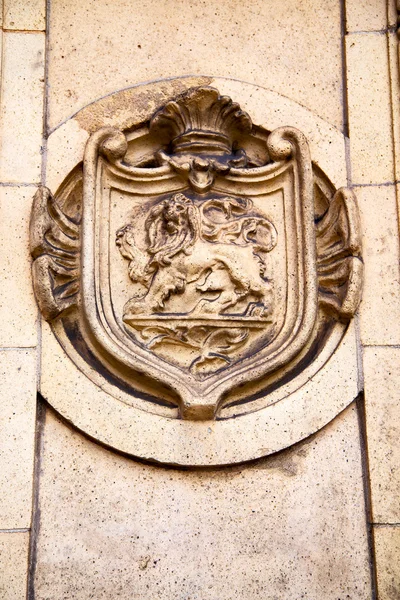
x,y
198,260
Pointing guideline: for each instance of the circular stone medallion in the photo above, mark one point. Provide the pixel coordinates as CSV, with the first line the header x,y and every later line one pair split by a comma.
x,y
198,271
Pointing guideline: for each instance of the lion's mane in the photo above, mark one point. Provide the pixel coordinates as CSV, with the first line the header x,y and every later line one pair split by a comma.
x,y
172,226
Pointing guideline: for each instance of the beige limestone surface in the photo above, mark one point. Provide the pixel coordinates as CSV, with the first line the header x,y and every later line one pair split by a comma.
x,y
366,15
21,106
22,44
380,308
116,528
369,97
394,70
13,565
387,548
289,526
28,15
382,405
18,309
17,435
273,44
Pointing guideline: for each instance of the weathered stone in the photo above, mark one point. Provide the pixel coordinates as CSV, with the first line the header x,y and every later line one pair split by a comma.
x,y
366,15
13,564
380,309
17,433
22,107
22,15
265,494
387,547
284,527
371,136
281,46
18,309
382,374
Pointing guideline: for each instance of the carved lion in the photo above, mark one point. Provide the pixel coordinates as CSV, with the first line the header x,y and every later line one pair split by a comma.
x,y
224,258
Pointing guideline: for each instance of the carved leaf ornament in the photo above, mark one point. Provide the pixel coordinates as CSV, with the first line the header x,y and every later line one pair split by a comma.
x,y
206,270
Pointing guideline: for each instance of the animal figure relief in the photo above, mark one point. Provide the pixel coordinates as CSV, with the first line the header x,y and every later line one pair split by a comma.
x,y
218,248
212,298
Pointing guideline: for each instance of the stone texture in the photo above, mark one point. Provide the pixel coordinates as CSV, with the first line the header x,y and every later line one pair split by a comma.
x,y
387,548
66,144
382,403
112,527
13,565
24,15
246,326
272,110
380,308
1,50
94,410
18,310
393,49
260,43
392,13
290,526
17,434
366,15
22,107
371,139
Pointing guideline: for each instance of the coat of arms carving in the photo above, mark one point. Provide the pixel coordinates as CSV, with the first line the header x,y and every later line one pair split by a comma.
x,y
197,254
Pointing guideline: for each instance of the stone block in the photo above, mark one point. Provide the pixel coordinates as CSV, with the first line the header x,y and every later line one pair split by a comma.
x,y
366,15
66,144
382,402
393,48
276,45
24,15
380,307
21,107
1,47
369,102
288,526
13,565
18,310
392,13
387,548
17,434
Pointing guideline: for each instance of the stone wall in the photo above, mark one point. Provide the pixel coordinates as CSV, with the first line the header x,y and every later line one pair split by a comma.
x,y
316,516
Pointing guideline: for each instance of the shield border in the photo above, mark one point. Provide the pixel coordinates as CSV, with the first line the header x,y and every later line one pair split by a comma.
x,y
339,288
199,400
274,419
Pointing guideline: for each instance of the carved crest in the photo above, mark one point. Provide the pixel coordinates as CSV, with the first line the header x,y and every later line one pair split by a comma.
x,y
208,255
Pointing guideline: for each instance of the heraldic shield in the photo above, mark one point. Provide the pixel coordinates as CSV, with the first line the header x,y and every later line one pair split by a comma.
x,y
197,255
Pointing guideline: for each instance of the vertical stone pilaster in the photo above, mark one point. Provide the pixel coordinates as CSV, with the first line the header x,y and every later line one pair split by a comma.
x,y
370,126
374,120
21,116
18,399
14,563
387,547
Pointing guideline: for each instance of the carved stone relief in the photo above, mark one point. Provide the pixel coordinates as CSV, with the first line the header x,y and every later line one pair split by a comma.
x,y
196,261
216,260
